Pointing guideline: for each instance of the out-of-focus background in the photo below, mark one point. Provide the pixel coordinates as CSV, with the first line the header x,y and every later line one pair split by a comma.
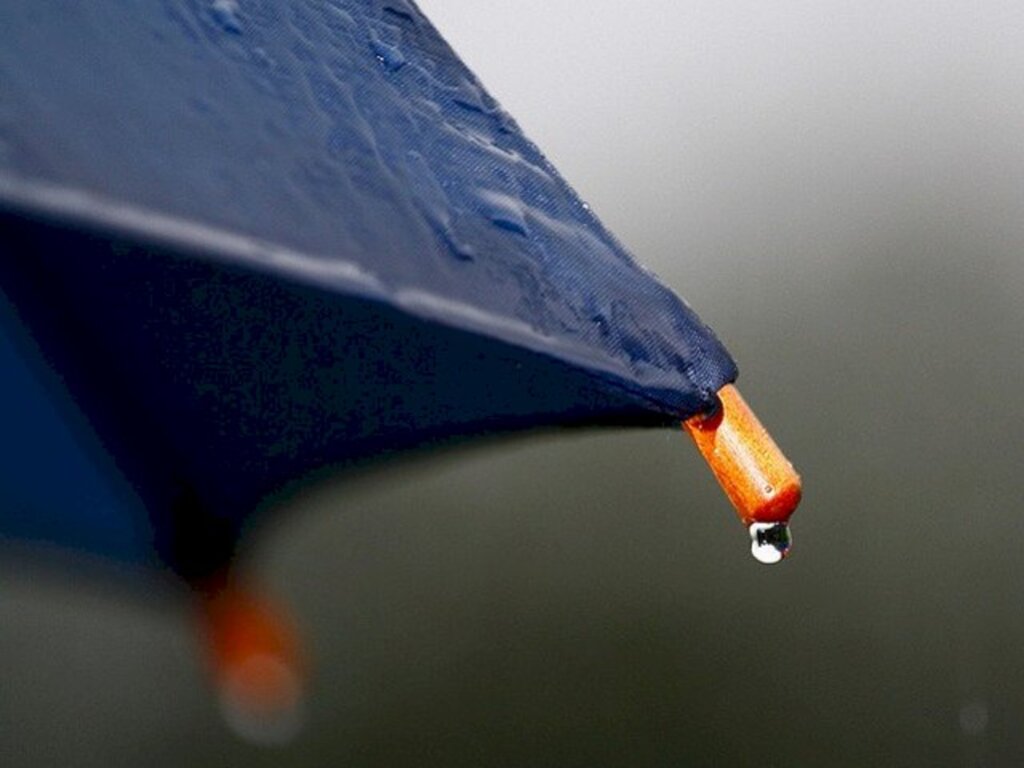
x,y
838,189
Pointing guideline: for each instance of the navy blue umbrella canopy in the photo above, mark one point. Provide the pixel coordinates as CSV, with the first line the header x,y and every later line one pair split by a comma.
x,y
243,241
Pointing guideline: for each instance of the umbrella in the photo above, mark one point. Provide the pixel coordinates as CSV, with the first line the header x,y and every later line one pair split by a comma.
x,y
244,242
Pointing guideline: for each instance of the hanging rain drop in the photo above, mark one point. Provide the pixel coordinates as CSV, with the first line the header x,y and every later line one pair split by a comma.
x,y
770,542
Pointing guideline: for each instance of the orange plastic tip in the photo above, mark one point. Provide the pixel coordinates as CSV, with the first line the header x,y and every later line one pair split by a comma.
x,y
256,663
755,475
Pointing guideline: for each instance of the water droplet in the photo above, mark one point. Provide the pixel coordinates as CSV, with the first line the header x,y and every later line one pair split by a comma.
x,y
339,18
457,247
262,58
467,104
386,54
400,13
470,97
225,13
770,542
505,213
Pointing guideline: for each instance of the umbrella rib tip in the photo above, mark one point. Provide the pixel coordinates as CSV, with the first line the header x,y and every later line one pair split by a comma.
x,y
256,664
756,476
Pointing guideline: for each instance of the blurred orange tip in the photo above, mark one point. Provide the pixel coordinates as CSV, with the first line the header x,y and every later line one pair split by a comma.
x,y
256,666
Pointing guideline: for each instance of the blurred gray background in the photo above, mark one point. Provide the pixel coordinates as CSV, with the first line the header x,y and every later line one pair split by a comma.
x,y
838,189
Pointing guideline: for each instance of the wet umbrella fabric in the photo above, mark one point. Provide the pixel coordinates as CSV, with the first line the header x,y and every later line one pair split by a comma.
x,y
243,242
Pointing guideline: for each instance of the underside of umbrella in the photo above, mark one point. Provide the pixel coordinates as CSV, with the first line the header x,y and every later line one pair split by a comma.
x,y
242,242
245,241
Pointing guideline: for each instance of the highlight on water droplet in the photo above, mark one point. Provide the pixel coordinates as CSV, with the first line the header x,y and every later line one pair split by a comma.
x,y
770,542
